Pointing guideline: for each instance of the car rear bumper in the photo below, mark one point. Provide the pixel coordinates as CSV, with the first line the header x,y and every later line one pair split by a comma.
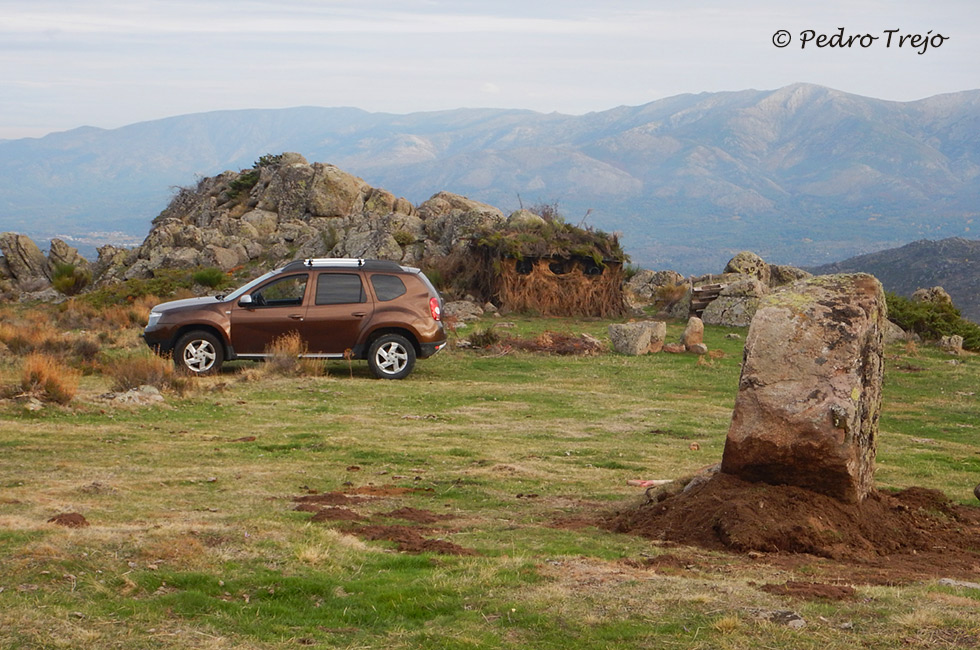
x,y
426,350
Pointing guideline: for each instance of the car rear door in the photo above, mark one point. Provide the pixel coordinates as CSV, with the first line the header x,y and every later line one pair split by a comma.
x,y
338,309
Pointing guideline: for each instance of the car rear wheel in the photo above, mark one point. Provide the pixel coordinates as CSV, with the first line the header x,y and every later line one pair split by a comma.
x,y
199,353
391,356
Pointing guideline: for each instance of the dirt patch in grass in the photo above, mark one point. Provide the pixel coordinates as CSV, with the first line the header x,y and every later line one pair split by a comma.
x,y
409,540
386,490
336,514
417,516
811,590
327,499
886,539
330,507
69,520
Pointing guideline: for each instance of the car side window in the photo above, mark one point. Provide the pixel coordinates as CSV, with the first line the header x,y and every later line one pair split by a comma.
x,y
282,292
387,287
339,289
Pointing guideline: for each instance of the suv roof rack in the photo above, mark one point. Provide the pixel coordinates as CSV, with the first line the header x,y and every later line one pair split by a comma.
x,y
342,263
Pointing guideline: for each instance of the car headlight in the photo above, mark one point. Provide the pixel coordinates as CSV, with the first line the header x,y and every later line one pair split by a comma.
x,y
154,318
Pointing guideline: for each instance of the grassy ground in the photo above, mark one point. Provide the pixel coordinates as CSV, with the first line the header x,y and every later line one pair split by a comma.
x,y
194,540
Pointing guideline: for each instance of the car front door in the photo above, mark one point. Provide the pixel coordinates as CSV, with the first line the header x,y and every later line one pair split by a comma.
x,y
338,309
277,307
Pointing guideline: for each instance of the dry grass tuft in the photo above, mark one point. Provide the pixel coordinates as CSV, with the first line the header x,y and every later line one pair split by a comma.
x,y
285,359
144,369
48,379
668,295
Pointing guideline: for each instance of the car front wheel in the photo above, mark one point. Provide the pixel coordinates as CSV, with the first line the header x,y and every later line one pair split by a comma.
x,y
199,353
391,356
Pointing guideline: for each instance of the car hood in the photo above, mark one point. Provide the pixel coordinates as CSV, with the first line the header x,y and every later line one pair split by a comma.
x,y
187,302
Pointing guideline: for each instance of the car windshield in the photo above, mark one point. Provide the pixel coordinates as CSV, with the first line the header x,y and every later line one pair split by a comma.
x,y
237,293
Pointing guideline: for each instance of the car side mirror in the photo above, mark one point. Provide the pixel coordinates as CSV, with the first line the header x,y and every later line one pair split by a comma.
x,y
245,301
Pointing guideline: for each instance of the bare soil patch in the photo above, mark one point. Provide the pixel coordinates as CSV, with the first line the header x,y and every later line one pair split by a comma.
x,y
811,590
330,507
417,516
409,540
335,513
886,539
69,520
327,499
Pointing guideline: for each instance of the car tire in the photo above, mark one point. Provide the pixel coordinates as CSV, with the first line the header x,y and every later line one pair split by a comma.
x,y
199,353
391,356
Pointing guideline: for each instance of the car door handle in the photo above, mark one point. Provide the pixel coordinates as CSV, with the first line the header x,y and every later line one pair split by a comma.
x,y
296,316
359,314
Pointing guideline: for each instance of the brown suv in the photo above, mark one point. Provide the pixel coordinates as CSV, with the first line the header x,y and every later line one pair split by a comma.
x,y
361,309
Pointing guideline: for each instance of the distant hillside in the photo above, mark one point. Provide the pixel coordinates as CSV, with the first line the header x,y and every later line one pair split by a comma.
x,y
953,264
801,175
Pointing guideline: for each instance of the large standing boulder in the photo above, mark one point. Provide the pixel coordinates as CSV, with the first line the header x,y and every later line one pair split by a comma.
x,y
809,395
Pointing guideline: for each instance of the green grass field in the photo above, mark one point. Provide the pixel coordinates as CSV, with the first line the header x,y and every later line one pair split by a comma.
x,y
195,541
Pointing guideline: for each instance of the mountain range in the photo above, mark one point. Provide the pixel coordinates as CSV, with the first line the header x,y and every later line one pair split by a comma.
x,y
802,175
953,264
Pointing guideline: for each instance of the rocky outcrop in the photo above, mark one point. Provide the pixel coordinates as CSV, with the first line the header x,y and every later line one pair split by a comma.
x,y
24,269
736,304
24,265
660,288
935,296
809,396
287,208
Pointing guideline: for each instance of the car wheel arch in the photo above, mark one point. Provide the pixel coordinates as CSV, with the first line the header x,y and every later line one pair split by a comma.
x,y
381,331
210,329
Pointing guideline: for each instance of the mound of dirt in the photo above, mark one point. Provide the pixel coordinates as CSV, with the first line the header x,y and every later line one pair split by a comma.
x,y
69,520
728,514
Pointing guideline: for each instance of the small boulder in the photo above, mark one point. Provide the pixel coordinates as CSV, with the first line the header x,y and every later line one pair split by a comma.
x,y
952,344
780,274
748,263
637,338
525,219
463,310
697,348
693,333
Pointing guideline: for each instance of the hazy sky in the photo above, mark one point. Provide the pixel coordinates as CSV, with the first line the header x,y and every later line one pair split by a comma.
x,y
108,63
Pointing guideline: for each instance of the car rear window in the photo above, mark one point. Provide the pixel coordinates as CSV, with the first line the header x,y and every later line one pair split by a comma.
x,y
339,289
387,287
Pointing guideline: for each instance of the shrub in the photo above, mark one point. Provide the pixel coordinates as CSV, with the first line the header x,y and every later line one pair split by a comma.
x,y
48,379
485,338
404,238
70,279
210,277
931,320
244,183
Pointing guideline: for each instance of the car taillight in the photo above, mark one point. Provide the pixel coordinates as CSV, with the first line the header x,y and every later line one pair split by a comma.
x,y
434,308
